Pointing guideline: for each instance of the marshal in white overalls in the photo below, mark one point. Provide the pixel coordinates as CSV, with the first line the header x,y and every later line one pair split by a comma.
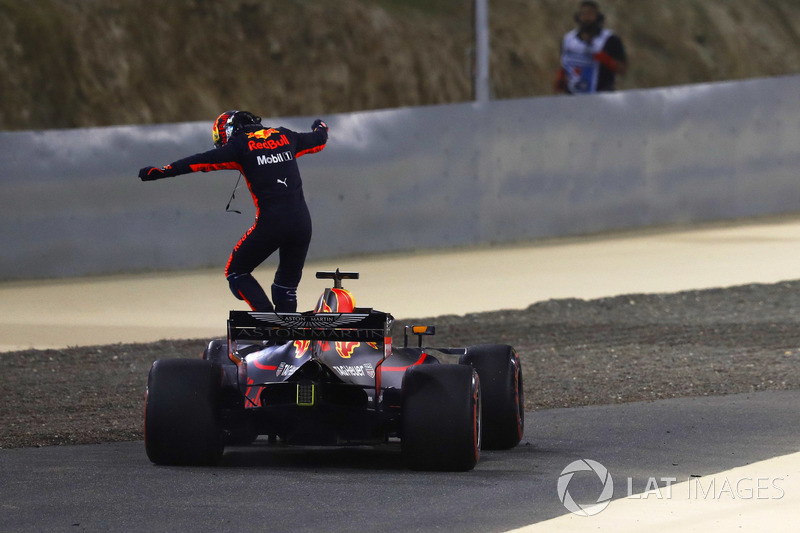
x,y
577,59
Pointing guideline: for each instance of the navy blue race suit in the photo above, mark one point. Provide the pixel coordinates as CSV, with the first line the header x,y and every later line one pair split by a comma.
x,y
267,159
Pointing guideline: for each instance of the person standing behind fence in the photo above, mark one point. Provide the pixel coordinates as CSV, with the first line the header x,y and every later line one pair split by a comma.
x,y
591,55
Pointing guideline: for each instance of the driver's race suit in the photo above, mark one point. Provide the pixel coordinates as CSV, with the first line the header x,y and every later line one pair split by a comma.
x,y
266,157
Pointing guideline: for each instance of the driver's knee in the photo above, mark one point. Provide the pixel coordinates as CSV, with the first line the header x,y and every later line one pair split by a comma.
x,y
233,285
246,288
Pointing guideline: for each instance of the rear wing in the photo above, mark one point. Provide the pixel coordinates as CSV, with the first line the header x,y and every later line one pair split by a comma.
x,y
361,325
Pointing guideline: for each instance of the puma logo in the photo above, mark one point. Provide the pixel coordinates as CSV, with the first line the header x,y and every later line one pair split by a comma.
x,y
283,182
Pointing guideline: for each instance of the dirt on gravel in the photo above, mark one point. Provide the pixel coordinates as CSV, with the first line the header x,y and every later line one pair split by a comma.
x,y
574,353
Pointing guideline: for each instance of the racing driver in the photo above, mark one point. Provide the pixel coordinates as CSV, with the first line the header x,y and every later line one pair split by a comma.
x,y
266,157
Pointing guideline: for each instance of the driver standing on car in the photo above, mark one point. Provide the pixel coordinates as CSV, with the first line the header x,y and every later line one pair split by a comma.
x,y
267,159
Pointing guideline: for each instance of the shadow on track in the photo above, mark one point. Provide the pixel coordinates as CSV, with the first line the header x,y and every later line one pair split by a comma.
x,y
262,454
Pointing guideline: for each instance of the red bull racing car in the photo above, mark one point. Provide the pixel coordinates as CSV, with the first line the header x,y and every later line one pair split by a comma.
x,y
332,376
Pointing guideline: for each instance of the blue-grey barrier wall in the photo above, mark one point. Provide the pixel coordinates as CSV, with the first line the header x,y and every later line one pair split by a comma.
x,y
412,178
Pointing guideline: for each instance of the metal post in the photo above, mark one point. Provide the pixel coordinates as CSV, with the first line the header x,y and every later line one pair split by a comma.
x,y
481,81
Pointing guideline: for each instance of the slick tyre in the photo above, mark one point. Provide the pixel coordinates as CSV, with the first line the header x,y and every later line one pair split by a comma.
x,y
441,418
499,367
181,421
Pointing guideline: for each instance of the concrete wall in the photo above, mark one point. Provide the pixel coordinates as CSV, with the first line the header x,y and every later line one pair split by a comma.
x,y
411,178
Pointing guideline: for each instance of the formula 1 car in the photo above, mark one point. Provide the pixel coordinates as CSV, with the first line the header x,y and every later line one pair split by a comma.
x,y
332,376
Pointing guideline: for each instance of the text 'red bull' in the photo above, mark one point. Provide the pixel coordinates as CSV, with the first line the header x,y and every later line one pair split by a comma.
x,y
266,143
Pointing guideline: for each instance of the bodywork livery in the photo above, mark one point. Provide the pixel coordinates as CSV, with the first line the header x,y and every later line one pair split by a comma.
x,y
332,376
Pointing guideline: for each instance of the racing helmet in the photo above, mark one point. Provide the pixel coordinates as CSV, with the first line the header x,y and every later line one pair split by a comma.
x,y
335,301
229,123
223,128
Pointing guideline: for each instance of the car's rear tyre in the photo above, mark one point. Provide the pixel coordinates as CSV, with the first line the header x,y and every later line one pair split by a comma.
x,y
503,401
441,417
181,422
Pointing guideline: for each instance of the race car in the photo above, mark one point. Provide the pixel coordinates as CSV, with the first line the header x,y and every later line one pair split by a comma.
x,y
332,376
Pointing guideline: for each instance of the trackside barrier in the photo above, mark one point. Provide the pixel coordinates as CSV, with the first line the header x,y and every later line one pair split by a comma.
x,y
411,178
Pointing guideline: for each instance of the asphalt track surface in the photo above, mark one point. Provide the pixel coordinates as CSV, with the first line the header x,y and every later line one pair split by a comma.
x,y
745,444
113,487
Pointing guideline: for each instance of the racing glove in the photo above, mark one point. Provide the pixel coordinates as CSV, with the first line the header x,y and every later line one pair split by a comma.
x,y
155,173
319,124
606,60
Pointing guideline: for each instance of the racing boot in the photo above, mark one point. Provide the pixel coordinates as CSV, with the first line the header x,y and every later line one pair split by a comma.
x,y
285,298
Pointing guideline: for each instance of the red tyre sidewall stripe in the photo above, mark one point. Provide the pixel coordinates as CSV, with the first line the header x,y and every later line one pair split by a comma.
x,y
475,428
516,394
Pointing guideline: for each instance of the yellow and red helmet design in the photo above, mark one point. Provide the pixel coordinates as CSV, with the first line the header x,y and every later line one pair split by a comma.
x,y
223,128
